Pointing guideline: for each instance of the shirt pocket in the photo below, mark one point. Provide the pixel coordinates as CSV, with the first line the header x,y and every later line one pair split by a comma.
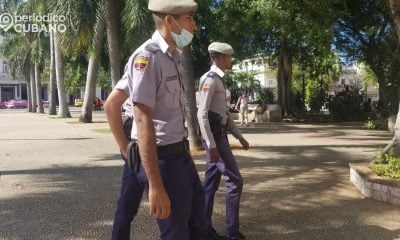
x,y
173,92
219,96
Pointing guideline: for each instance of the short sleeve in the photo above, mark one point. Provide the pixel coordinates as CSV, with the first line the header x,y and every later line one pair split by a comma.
x,y
123,84
144,74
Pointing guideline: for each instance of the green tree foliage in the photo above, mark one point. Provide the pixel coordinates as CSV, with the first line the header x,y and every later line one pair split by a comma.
x,y
364,32
292,31
368,76
266,95
75,78
239,82
316,96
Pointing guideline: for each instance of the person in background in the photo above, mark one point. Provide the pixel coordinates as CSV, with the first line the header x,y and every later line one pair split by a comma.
x,y
214,121
260,109
243,106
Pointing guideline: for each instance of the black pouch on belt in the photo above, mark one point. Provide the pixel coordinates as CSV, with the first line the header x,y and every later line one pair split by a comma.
x,y
127,122
133,157
215,121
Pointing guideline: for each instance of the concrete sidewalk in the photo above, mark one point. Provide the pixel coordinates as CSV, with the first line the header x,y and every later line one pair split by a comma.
x,y
60,180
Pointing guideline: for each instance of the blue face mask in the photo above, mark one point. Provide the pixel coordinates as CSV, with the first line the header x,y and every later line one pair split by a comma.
x,y
183,39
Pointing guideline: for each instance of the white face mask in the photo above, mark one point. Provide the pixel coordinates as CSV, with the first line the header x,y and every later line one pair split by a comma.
x,y
183,39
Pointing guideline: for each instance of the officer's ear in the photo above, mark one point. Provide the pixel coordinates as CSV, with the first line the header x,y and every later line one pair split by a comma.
x,y
171,21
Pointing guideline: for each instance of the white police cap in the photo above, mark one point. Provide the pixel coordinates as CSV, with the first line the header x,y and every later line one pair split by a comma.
x,y
172,6
218,47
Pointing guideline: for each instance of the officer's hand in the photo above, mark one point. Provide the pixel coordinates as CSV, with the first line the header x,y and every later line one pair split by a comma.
x,y
124,153
160,205
244,143
214,155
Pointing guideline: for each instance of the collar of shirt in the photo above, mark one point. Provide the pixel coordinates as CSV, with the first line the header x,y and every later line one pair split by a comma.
x,y
158,39
218,71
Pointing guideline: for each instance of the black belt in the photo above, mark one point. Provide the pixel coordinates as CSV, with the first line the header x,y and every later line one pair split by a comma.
x,y
174,148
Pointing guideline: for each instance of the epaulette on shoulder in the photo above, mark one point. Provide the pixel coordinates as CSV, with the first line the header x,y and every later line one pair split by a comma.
x,y
152,47
211,74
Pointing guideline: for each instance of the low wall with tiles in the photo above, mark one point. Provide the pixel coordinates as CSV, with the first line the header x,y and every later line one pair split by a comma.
x,y
375,187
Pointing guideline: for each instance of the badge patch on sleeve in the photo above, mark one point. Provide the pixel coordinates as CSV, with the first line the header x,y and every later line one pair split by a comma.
x,y
141,62
206,87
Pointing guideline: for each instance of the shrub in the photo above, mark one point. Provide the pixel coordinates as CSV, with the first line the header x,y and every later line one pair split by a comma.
x,y
387,164
316,96
346,105
266,96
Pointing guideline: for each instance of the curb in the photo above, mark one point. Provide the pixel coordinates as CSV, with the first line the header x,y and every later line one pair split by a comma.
x,y
372,186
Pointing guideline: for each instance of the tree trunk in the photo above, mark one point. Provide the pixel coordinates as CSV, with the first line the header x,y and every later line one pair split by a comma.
x,y
62,98
113,37
94,61
395,8
28,88
33,87
190,98
90,88
38,89
52,81
284,77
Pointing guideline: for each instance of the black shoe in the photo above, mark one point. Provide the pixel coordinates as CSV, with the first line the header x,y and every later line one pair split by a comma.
x,y
213,234
239,237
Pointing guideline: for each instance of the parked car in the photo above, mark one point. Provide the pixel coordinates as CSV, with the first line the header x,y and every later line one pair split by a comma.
x,y
2,104
17,104
78,102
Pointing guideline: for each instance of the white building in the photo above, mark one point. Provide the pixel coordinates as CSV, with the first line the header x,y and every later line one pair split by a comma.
x,y
10,88
258,65
351,77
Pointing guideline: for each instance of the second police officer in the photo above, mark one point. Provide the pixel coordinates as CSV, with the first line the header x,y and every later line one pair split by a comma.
x,y
175,193
215,121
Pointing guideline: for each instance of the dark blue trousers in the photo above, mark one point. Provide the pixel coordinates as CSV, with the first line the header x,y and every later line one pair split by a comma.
x,y
233,182
181,180
132,187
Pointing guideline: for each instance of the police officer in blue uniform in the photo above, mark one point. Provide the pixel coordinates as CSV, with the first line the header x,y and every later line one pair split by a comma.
x,y
166,169
215,121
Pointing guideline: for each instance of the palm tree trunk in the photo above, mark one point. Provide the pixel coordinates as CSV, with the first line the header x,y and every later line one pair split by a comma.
x,y
38,89
28,88
90,88
113,37
33,87
94,61
190,98
63,107
53,87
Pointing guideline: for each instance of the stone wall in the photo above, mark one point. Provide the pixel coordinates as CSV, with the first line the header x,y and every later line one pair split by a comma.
x,y
377,190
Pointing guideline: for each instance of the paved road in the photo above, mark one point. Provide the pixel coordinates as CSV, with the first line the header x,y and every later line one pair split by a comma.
x,y
60,180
